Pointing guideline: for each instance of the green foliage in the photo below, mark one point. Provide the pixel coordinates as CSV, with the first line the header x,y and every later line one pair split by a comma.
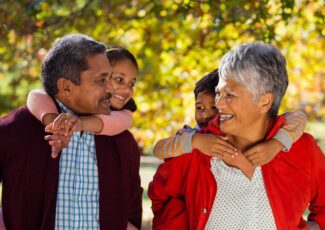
x,y
176,42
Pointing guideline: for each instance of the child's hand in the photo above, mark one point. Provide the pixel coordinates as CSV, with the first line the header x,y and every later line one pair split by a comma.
x,y
62,129
64,124
264,152
240,162
58,142
213,145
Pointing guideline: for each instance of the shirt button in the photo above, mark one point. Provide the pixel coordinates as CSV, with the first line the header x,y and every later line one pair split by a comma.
x,y
205,211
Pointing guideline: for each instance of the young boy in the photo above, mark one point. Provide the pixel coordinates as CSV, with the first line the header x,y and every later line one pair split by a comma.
x,y
187,138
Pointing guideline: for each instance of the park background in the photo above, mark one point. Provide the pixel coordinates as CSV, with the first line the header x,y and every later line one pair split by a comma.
x,y
175,42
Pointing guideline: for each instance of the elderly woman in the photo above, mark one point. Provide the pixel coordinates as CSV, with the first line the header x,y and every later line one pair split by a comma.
x,y
195,191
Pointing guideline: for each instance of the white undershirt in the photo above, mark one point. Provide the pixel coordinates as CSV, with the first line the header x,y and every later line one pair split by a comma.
x,y
239,203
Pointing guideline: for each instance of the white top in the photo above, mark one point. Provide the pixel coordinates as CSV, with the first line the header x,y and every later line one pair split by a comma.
x,y
239,203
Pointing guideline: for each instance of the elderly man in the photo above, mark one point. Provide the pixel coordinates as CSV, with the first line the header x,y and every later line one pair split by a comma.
x,y
95,182
195,191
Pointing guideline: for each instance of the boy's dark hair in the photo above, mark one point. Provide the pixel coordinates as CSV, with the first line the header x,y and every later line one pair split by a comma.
x,y
68,58
117,53
207,84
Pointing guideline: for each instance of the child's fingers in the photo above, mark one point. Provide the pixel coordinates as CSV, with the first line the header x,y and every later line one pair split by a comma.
x,y
218,155
253,156
56,137
222,141
258,159
59,120
56,148
224,150
49,128
252,151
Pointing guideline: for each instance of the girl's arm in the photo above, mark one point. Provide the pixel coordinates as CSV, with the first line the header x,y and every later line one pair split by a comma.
x,y
41,105
43,108
115,123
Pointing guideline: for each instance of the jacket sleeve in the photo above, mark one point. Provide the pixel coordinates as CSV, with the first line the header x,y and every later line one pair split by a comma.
x,y
166,194
135,211
317,204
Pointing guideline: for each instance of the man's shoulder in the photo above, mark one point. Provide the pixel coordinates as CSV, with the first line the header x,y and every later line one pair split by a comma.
x,y
17,117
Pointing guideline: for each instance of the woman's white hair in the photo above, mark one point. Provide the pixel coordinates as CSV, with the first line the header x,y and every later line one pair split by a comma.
x,y
261,68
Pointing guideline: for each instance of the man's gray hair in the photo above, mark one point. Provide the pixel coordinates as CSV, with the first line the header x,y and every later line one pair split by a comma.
x,y
261,68
68,58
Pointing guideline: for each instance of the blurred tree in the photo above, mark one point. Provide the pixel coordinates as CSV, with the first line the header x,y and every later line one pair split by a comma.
x,y
176,42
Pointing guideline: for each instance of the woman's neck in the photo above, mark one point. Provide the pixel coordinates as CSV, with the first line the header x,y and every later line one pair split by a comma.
x,y
247,138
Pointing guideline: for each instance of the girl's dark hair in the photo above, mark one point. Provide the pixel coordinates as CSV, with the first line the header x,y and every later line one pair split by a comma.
x,y
117,53
207,84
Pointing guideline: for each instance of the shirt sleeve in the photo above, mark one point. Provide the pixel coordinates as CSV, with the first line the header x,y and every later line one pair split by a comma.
x,y
292,128
40,103
116,122
174,146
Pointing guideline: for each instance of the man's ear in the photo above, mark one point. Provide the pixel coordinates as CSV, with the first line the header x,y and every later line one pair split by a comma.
x,y
266,102
65,86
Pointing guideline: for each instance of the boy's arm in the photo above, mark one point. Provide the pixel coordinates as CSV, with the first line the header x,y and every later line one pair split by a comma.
x,y
115,123
41,105
207,143
174,146
289,133
292,128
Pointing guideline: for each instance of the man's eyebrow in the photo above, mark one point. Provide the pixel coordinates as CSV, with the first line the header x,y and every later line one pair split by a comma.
x,y
102,75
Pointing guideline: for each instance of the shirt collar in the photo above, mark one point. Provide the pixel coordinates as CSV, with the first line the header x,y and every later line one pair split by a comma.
x,y
63,108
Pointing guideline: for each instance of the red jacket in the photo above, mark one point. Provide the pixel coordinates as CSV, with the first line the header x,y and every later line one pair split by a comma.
x,y
184,188
29,176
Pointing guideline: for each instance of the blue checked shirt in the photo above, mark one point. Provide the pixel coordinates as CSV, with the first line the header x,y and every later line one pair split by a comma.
x,y
78,193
